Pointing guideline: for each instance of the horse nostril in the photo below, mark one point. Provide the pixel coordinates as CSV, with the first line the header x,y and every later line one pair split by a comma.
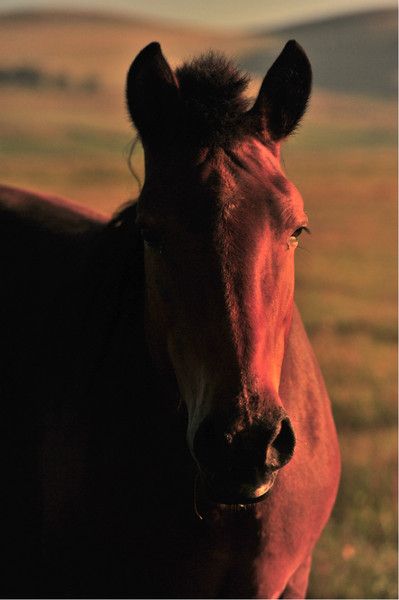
x,y
260,446
281,448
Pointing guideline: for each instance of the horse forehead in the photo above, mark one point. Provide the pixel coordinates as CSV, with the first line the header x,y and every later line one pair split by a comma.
x,y
250,175
244,182
248,157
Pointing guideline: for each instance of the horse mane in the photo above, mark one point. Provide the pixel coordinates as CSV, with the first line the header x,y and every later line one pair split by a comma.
x,y
212,93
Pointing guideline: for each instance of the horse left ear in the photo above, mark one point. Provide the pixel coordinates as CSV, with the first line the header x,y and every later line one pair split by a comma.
x,y
284,93
152,94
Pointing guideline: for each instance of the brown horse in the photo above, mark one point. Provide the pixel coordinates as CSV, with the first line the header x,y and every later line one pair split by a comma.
x,y
167,432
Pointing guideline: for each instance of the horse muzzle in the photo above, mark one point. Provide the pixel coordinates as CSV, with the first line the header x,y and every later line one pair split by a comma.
x,y
239,465
223,490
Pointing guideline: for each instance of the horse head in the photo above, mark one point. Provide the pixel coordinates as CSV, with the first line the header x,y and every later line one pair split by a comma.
x,y
220,222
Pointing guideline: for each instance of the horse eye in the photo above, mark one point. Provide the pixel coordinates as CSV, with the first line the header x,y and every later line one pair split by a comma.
x,y
293,240
298,232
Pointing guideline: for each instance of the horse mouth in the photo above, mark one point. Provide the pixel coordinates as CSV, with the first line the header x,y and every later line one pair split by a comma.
x,y
236,494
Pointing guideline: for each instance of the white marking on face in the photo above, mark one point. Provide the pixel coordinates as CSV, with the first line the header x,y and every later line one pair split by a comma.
x,y
197,391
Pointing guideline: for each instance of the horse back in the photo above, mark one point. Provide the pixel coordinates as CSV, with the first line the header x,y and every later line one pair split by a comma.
x,y
44,242
46,213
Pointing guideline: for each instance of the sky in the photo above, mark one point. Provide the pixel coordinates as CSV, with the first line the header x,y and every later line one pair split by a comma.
x,y
217,13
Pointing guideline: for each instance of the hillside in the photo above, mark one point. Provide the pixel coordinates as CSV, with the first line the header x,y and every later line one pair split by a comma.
x,y
352,53
102,45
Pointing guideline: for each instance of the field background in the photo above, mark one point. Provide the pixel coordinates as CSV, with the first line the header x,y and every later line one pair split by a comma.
x,y
64,130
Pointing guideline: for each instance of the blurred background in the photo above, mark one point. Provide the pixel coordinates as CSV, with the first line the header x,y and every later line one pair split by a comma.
x,y
64,130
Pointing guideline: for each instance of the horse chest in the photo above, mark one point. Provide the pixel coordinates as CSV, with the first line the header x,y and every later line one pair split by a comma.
x,y
119,529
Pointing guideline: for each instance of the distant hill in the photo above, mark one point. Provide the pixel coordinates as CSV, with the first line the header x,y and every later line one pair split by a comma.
x,y
82,43
42,15
353,53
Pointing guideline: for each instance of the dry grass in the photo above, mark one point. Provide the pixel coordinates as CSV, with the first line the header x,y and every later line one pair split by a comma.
x,y
347,292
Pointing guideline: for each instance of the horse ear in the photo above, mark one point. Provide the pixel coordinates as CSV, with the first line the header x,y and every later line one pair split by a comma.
x,y
152,94
284,93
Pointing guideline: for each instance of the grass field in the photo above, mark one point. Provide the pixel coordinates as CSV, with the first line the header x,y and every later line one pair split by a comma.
x,y
343,160
346,289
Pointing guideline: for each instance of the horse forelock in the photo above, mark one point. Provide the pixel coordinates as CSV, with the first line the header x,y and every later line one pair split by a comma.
x,y
212,92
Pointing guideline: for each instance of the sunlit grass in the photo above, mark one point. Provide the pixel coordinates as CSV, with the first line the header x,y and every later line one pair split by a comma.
x,y
357,555
347,290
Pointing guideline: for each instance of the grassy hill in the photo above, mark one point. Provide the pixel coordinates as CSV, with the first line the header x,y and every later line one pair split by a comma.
x,y
350,53
101,44
73,140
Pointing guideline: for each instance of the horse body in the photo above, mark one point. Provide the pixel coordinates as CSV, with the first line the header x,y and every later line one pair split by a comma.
x,y
150,402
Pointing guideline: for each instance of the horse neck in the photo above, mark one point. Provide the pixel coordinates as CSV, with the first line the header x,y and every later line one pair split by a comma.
x,y
106,307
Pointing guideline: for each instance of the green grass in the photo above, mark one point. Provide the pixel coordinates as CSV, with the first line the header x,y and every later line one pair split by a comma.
x,y
327,137
85,141
357,554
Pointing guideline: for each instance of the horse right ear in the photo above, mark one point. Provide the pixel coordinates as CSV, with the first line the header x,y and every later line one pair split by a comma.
x,y
152,94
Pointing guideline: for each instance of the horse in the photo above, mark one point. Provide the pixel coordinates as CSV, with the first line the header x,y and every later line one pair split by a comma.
x,y
166,429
